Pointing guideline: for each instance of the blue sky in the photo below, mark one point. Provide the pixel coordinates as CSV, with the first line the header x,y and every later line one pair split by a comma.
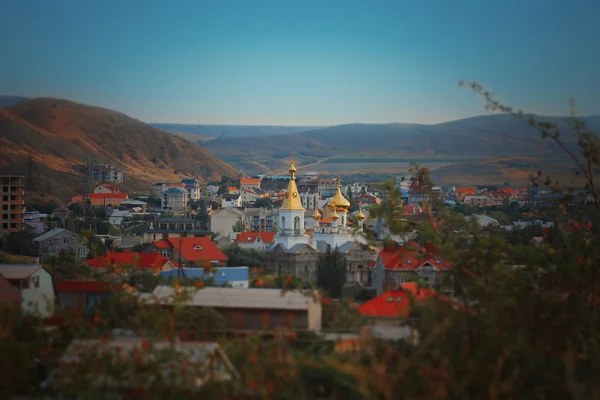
x,y
302,62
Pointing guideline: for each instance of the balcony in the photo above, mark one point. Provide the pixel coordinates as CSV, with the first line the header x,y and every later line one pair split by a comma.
x,y
18,193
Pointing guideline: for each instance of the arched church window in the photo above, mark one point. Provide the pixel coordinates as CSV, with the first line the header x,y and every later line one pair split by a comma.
x,y
282,222
296,223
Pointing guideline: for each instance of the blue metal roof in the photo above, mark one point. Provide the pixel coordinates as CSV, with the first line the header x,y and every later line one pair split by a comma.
x,y
174,190
189,181
222,274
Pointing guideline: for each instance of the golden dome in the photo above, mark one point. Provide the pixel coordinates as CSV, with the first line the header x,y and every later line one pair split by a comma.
x,y
334,216
360,214
317,215
292,197
338,199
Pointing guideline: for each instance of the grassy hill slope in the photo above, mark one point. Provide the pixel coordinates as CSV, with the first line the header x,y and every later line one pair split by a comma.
x,y
62,133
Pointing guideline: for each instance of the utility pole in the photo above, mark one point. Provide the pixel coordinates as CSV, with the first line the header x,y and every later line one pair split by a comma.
x,y
30,172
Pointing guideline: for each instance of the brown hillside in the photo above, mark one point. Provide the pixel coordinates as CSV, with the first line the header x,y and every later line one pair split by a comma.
x,y
62,133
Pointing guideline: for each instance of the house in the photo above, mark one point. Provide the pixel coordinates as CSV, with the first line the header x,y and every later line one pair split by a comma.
x,y
8,294
35,284
107,173
191,252
223,221
237,277
460,193
136,205
249,196
192,185
166,228
411,262
506,194
107,199
368,198
481,200
82,295
483,220
208,360
251,184
118,216
174,199
255,240
55,240
231,200
261,219
106,188
254,309
397,303
154,262
60,212
212,188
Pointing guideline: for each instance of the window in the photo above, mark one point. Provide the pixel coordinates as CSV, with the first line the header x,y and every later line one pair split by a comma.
x,y
398,299
66,240
390,299
197,247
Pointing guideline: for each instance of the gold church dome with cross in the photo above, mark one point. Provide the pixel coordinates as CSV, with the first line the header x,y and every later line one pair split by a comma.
x,y
292,197
339,200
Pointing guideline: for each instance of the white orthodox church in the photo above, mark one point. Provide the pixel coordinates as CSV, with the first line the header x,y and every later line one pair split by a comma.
x,y
296,253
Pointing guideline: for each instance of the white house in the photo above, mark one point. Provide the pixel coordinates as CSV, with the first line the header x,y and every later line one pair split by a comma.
x,y
35,284
231,200
248,196
255,240
212,188
118,216
106,188
175,199
222,221
252,184
192,185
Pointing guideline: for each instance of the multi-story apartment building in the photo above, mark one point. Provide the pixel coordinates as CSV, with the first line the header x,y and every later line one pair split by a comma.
x,y
175,199
107,173
12,204
192,185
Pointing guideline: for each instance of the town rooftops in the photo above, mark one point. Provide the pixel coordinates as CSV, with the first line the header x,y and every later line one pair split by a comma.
x,y
108,196
51,233
250,237
174,190
410,257
195,248
19,271
112,188
134,259
397,303
240,298
249,181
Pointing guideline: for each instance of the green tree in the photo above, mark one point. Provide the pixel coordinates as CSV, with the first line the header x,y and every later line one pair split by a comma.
x,y
239,226
96,247
263,202
245,257
332,271
20,243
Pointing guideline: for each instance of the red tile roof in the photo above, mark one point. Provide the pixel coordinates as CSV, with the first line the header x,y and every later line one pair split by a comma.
x,y
508,190
197,249
396,303
108,196
162,244
249,181
112,188
250,237
83,286
465,190
142,260
411,256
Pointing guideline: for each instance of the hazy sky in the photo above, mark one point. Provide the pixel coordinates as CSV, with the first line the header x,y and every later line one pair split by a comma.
x,y
302,62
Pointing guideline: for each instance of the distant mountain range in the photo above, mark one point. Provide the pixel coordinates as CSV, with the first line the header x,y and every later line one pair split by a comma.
x,y
483,137
62,133
486,148
231,131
